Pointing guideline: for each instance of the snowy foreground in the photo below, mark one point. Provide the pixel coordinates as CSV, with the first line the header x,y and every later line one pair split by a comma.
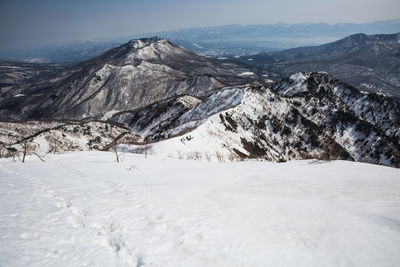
x,y
83,209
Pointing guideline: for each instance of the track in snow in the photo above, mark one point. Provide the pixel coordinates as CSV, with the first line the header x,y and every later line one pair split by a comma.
x,y
83,209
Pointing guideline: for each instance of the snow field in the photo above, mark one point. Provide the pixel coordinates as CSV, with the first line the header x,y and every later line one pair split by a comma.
x,y
83,209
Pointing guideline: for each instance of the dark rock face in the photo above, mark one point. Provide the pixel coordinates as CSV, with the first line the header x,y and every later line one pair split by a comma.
x,y
365,126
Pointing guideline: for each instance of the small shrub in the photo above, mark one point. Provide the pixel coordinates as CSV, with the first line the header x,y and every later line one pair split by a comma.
x,y
219,156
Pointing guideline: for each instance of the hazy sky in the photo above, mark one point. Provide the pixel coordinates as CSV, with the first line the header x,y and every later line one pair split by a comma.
x,y
37,22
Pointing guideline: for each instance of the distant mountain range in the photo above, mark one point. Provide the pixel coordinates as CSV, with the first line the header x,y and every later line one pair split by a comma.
x,y
251,39
17,73
368,62
158,94
217,41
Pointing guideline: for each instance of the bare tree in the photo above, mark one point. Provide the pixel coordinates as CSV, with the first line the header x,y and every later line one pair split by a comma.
x,y
53,140
28,148
145,151
55,146
115,140
114,144
116,152
1,149
26,145
220,156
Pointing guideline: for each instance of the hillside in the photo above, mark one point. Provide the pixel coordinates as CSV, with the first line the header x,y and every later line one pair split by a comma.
x,y
133,75
308,115
367,62
17,73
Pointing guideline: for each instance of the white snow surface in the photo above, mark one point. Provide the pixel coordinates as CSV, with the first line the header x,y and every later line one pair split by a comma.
x,y
247,73
300,84
158,49
189,101
197,46
84,209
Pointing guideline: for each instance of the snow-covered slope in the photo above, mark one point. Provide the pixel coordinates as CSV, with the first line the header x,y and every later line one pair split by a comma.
x,y
83,209
48,137
131,76
309,115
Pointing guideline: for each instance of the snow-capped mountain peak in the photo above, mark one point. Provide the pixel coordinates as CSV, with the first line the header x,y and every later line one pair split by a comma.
x,y
127,77
154,48
140,43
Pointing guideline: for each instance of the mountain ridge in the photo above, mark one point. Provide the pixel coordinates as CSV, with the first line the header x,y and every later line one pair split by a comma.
x,y
308,115
190,105
368,62
218,41
129,76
